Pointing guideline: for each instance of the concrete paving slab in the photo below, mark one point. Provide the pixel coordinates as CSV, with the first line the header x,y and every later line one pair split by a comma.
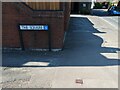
x,y
93,77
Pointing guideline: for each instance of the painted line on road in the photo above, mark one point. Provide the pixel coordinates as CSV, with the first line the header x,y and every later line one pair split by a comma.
x,y
109,23
114,19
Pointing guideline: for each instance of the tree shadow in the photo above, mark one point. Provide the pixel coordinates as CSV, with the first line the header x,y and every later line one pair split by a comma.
x,y
82,48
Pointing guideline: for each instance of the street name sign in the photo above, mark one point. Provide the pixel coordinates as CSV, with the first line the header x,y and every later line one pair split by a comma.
x,y
33,27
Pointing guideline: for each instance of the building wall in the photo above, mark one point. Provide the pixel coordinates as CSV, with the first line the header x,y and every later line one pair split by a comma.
x,y
67,12
44,5
18,13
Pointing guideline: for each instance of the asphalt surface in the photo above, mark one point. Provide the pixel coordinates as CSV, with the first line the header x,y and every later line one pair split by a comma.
x,y
90,56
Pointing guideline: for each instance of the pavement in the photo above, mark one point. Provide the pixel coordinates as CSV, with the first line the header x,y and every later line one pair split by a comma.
x,y
103,14
89,59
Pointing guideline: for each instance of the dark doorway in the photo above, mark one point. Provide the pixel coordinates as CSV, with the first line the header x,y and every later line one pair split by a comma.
x,y
75,8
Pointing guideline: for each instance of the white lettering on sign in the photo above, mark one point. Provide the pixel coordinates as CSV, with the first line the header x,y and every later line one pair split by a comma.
x,y
33,27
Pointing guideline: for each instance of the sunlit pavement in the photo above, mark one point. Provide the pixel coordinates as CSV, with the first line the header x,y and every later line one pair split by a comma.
x,y
103,14
113,20
89,59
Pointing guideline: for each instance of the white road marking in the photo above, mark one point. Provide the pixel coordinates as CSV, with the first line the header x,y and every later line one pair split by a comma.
x,y
116,27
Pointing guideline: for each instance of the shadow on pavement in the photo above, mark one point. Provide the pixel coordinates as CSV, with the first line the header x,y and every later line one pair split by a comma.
x,y
82,48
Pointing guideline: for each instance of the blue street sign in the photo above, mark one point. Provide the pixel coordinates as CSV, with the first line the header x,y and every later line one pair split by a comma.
x,y
46,27
33,27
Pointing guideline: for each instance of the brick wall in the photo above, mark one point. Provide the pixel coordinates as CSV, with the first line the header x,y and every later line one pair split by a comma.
x,y
17,13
